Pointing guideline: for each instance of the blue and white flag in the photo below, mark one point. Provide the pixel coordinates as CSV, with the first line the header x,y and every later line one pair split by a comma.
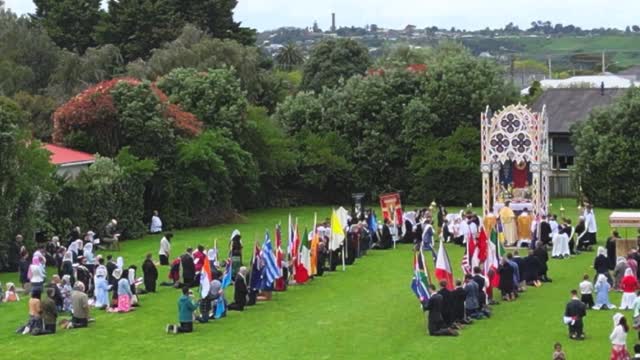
x,y
226,278
270,270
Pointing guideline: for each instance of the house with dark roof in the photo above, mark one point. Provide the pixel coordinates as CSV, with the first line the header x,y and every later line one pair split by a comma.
x,y
565,107
69,162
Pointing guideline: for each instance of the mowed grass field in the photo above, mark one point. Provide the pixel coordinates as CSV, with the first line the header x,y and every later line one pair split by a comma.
x,y
367,312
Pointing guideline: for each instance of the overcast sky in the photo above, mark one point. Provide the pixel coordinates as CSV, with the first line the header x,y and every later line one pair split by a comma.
x,y
468,14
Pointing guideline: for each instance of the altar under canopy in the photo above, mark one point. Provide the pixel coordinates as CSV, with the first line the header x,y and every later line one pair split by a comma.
x,y
515,160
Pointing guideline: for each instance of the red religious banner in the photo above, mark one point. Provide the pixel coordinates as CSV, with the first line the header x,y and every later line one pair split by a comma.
x,y
391,207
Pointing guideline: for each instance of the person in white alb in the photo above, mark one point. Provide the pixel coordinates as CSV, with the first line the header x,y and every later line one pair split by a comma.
x,y
165,248
590,224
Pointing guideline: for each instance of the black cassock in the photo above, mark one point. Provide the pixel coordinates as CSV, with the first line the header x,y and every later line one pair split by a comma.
x,y
188,270
436,321
150,275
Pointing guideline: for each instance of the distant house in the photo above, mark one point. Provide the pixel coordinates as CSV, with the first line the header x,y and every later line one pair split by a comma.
x,y
592,81
69,162
565,107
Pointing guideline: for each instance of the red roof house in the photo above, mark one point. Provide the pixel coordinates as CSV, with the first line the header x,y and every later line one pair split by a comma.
x,y
69,162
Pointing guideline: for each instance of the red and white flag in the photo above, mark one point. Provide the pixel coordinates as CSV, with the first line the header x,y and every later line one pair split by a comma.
x,y
443,267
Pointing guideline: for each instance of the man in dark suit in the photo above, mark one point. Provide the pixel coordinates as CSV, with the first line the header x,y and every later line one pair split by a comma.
x,y
435,323
188,268
240,290
574,312
545,231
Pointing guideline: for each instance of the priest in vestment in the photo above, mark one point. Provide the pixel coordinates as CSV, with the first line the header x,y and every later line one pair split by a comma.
x,y
508,219
524,226
489,223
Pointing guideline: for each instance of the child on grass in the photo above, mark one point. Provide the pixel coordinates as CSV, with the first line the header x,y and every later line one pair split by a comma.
x,y
586,291
558,354
11,295
186,307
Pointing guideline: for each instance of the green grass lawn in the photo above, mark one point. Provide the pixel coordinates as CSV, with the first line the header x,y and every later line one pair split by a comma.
x,y
367,312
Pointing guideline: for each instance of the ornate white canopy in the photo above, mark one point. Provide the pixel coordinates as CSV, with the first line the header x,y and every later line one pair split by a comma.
x,y
515,133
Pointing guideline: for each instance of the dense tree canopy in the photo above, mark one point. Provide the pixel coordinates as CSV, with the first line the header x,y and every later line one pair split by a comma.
x,y
606,146
333,60
215,97
70,23
25,177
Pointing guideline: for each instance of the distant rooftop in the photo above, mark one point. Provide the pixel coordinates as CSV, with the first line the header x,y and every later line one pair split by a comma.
x,y
566,107
592,81
62,156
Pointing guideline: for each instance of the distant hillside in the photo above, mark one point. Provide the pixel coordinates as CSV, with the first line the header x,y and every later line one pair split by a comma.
x,y
623,50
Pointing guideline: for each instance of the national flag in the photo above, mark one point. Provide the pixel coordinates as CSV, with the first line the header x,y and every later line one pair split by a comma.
x,y
337,232
495,240
301,273
280,281
270,269
313,251
491,266
206,269
420,282
226,278
305,251
205,284
290,234
443,267
427,240
373,225
256,269
220,308
467,258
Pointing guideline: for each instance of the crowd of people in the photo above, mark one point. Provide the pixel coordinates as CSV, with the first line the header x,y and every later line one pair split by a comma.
x,y
84,281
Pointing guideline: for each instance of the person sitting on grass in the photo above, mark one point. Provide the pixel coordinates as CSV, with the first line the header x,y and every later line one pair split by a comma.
x,y
124,292
186,307
80,308
11,295
558,354
574,312
49,313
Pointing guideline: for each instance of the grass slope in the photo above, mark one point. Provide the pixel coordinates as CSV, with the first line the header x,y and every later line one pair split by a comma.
x,y
366,312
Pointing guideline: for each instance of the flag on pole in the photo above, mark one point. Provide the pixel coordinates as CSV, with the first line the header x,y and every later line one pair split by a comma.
x,y
256,269
443,267
205,284
206,269
427,241
226,278
492,263
337,232
467,257
270,269
305,251
290,234
420,282
280,281
301,274
315,241
220,308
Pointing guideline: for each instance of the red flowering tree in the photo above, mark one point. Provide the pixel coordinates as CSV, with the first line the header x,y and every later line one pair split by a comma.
x,y
97,121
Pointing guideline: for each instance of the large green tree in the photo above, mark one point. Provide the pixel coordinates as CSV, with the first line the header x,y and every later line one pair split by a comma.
x,y
446,169
333,60
137,26
606,152
70,23
25,179
215,97
27,55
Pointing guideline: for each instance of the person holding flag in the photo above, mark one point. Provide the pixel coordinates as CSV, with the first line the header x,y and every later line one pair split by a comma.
x,y
270,268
